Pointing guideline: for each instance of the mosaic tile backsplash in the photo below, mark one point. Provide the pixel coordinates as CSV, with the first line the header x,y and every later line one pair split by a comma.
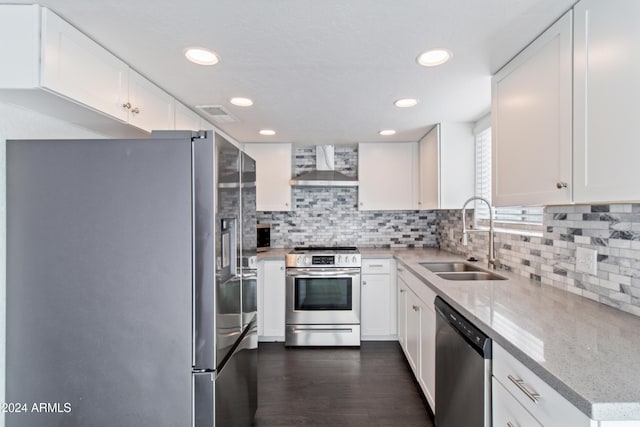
x,y
612,230
330,216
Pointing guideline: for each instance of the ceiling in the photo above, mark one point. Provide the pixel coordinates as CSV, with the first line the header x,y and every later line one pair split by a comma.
x,y
319,71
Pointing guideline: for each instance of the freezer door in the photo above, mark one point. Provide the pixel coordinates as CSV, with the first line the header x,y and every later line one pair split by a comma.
x,y
203,399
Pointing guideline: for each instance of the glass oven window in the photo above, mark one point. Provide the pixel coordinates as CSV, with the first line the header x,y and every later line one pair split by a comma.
x,y
326,293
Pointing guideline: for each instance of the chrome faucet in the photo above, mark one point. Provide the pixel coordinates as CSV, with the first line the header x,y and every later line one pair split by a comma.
x,y
492,261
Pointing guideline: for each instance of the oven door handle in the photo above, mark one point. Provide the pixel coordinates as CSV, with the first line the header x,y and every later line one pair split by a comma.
x,y
322,272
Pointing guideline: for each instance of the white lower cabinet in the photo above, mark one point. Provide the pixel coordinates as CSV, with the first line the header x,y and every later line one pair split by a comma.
x,y
413,332
378,308
507,411
271,300
417,330
402,313
525,390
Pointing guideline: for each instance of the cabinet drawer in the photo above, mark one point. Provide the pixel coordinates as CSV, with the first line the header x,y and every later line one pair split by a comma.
x,y
507,411
536,396
376,266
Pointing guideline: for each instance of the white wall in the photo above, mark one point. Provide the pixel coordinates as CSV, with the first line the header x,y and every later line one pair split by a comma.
x,y
17,123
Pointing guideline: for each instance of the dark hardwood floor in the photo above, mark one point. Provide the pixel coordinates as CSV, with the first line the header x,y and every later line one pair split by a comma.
x,y
369,386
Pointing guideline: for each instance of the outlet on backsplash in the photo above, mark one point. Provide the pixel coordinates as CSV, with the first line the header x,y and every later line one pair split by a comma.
x,y
587,261
451,234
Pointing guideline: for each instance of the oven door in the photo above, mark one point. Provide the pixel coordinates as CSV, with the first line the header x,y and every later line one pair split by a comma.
x,y
323,296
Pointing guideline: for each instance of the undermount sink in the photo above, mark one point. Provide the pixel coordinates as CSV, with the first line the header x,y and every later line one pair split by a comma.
x,y
449,267
471,275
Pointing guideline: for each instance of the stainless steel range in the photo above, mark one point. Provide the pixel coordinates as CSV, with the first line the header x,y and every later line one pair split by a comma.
x,y
323,296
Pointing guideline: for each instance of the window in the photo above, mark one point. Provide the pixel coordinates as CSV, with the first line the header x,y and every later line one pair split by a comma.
x,y
508,214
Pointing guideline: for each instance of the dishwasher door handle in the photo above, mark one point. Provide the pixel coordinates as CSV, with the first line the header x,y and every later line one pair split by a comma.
x,y
535,397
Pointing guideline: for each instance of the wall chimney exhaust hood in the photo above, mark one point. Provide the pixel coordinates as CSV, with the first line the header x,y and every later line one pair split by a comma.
x,y
325,174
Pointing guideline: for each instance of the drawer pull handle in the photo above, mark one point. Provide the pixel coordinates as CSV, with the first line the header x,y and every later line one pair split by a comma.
x,y
535,397
402,291
416,308
376,265
510,424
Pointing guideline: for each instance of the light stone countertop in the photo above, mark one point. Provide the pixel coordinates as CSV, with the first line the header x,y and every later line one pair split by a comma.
x,y
588,352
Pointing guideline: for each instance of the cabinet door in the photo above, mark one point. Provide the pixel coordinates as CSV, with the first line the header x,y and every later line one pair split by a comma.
x,y
430,170
271,299
607,89
151,107
531,122
413,331
427,376
376,313
402,314
78,68
388,175
447,167
273,172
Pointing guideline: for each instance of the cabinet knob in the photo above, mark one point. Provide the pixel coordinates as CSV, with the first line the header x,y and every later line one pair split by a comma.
x,y
135,110
416,308
510,424
361,204
126,105
561,185
364,282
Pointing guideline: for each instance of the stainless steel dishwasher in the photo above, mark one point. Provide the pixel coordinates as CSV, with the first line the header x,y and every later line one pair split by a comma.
x,y
463,371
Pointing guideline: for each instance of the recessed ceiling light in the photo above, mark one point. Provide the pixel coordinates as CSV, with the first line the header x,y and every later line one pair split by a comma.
x,y
434,57
241,102
387,132
267,132
201,56
406,102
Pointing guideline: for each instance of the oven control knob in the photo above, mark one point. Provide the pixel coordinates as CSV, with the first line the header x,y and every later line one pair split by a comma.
x,y
354,259
339,259
306,260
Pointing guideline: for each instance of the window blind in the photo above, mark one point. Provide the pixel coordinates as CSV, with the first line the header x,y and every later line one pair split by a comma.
x,y
512,214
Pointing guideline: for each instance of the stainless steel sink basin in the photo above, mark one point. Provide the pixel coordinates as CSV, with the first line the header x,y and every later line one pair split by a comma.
x,y
449,267
471,275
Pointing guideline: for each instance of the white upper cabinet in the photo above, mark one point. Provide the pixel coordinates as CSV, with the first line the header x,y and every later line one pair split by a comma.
x,y
78,68
607,89
273,172
76,79
531,122
446,166
150,108
388,176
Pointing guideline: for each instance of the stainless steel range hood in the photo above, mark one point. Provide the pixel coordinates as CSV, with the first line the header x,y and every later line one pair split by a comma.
x,y
325,174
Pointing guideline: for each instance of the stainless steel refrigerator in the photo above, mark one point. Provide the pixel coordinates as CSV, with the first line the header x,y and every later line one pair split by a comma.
x,y
131,282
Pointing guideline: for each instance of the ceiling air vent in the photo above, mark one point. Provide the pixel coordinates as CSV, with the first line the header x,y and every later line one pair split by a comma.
x,y
217,113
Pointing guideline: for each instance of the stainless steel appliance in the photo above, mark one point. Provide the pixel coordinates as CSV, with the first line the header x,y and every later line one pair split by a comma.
x,y
463,371
129,296
323,296
264,237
